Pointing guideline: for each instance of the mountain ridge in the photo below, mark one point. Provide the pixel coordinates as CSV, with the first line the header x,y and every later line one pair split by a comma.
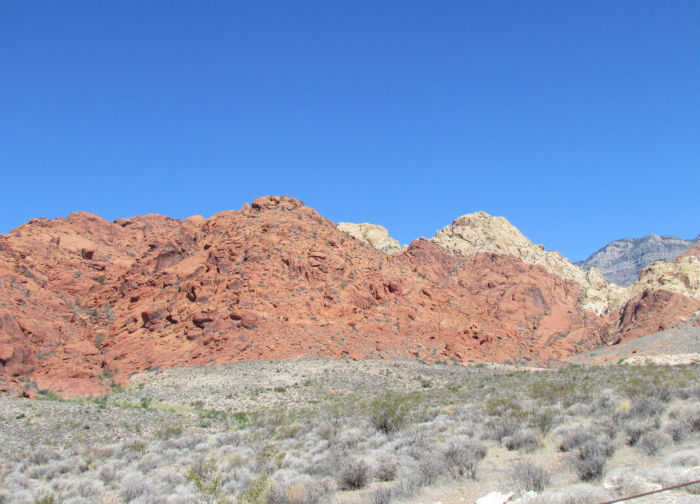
x,y
621,261
85,302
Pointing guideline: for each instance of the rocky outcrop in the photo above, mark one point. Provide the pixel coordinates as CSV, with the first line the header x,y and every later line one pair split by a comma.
x,y
375,235
682,276
85,302
621,261
601,296
480,232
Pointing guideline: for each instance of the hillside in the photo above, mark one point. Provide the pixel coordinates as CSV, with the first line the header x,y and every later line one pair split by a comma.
x,y
84,302
621,261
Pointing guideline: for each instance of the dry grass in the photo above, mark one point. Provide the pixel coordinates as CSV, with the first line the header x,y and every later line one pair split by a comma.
x,y
321,431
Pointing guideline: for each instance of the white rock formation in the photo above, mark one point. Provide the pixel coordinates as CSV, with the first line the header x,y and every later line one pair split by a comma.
x,y
682,275
481,232
495,498
375,235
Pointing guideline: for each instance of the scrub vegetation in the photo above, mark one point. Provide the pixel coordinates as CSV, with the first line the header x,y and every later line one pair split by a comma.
x,y
335,431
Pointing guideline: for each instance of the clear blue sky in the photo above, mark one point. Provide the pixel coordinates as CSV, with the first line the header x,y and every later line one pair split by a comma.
x,y
579,121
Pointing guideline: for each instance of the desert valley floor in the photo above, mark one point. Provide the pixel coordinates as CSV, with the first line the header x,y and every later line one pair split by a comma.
x,y
367,431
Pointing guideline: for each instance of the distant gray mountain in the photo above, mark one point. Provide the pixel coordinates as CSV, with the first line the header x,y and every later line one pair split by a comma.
x,y
621,261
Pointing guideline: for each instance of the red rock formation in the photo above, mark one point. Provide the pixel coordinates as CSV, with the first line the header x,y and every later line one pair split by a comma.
x,y
84,301
691,251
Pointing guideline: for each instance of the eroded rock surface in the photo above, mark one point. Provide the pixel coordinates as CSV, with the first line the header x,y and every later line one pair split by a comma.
x,y
84,301
480,232
375,235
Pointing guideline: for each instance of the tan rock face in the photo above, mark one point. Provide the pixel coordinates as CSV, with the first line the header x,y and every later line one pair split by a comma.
x,y
681,275
375,235
601,296
84,301
481,232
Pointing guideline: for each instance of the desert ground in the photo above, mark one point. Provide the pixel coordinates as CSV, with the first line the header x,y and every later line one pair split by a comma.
x,y
369,431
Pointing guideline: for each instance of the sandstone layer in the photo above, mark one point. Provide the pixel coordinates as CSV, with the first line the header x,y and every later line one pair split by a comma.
x,y
480,232
85,302
375,235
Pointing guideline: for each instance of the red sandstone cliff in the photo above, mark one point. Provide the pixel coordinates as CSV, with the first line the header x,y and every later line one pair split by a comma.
x,y
84,301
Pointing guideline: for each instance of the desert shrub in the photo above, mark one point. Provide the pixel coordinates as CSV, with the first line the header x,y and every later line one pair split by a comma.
x,y
37,457
525,439
44,471
206,479
685,458
543,419
89,489
133,486
302,491
390,411
634,430
690,415
498,406
296,494
148,463
647,382
107,473
387,468
525,477
430,468
676,429
461,458
257,491
168,431
502,427
550,390
603,404
626,481
608,427
136,448
268,457
645,407
651,442
356,474
299,487
588,460
574,438
693,391
405,487
240,419
381,496
326,430
348,438
670,476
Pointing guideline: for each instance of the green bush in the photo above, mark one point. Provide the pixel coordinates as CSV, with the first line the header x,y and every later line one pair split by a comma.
x,y
257,490
208,481
168,431
391,411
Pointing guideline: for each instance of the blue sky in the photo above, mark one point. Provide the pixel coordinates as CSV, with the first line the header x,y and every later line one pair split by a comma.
x,y
578,121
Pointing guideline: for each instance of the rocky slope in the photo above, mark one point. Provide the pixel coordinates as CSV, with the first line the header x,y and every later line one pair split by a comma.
x,y
375,235
480,232
621,261
84,301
